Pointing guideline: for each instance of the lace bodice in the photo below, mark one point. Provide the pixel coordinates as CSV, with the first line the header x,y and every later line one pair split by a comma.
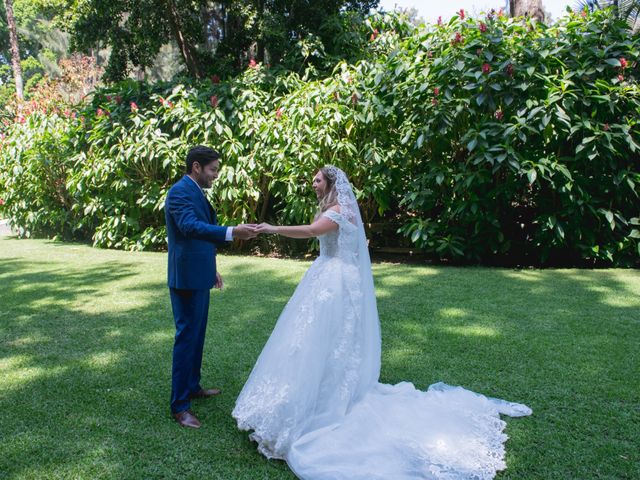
x,y
342,242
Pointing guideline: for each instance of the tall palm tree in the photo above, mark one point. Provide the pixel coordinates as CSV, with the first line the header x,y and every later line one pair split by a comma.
x,y
15,51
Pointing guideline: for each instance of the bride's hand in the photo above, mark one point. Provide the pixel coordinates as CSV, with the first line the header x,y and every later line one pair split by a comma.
x,y
265,228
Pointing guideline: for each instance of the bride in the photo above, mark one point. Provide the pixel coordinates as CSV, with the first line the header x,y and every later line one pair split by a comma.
x,y
313,397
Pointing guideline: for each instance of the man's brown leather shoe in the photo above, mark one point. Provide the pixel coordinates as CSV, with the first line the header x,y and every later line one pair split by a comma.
x,y
202,393
187,419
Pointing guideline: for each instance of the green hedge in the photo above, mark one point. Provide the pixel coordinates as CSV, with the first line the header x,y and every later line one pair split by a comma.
x,y
484,140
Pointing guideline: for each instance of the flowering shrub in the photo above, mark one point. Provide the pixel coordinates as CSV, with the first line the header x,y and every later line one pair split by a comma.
x,y
483,140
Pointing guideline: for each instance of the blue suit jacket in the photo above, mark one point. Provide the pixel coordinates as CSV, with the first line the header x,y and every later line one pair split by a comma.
x,y
192,233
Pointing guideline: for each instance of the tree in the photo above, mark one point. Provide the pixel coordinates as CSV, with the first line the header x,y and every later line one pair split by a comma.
x,y
15,49
207,33
527,8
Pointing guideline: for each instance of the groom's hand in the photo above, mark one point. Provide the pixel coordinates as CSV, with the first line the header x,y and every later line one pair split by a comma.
x,y
219,283
245,231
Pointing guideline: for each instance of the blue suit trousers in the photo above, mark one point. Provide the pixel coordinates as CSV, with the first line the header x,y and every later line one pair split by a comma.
x,y
190,313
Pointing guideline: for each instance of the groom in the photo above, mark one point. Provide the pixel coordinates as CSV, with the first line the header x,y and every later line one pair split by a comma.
x,y
193,234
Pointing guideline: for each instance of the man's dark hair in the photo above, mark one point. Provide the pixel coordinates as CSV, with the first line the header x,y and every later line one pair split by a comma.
x,y
201,154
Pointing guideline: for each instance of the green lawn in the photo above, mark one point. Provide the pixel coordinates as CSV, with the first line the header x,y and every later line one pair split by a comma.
x,y
85,360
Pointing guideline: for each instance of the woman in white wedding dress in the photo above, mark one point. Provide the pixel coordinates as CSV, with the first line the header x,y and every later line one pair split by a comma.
x,y
313,397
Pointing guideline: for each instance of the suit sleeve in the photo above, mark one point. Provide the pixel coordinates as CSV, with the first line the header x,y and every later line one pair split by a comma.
x,y
183,213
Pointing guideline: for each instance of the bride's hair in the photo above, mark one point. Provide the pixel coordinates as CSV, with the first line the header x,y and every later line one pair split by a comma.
x,y
330,197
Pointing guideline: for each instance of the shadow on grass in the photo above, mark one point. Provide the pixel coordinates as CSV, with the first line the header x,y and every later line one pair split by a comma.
x,y
86,344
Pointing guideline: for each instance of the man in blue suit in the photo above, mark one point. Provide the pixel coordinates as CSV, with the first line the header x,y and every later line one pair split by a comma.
x,y
193,234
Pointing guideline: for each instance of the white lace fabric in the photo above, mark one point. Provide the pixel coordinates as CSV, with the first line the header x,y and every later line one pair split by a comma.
x,y
313,397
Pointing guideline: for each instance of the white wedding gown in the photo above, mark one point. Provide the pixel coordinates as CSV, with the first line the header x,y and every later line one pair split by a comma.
x,y
313,397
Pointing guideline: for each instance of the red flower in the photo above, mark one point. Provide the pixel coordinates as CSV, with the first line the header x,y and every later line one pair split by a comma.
x,y
67,113
606,127
1,202
100,113
499,114
252,63
109,98
483,27
118,99
434,101
623,63
510,70
134,106
486,68
279,113
354,98
439,21
166,103
621,78
21,119
584,14
500,13
461,13
436,91
214,101
374,35
458,38
215,79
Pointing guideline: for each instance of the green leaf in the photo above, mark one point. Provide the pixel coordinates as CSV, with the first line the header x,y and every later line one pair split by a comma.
x,y
532,175
614,62
472,144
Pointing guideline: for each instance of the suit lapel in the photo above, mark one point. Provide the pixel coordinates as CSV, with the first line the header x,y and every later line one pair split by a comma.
x,y
199,193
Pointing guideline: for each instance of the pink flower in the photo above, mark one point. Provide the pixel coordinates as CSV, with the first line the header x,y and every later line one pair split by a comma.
x,y
134,106
1,202
279,113
434,101
109,97
436,91
483,27
252,63
623,63
486,68
214,101
583,14
100,113
215,79
621,78
461,13
499,114
510,70
439,21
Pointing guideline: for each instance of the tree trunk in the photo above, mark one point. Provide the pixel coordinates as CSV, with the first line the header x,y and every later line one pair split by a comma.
x,y
15,51
186,50
527,8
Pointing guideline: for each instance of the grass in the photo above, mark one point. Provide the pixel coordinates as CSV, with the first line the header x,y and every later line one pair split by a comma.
x,y
85,360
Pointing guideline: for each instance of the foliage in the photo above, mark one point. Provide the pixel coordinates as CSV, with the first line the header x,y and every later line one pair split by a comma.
x,y
485,140
226,34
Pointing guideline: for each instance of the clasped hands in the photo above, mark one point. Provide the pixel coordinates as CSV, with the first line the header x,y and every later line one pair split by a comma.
x,y
247,231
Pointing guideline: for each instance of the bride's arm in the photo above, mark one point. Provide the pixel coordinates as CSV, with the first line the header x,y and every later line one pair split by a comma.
x,y
321,226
